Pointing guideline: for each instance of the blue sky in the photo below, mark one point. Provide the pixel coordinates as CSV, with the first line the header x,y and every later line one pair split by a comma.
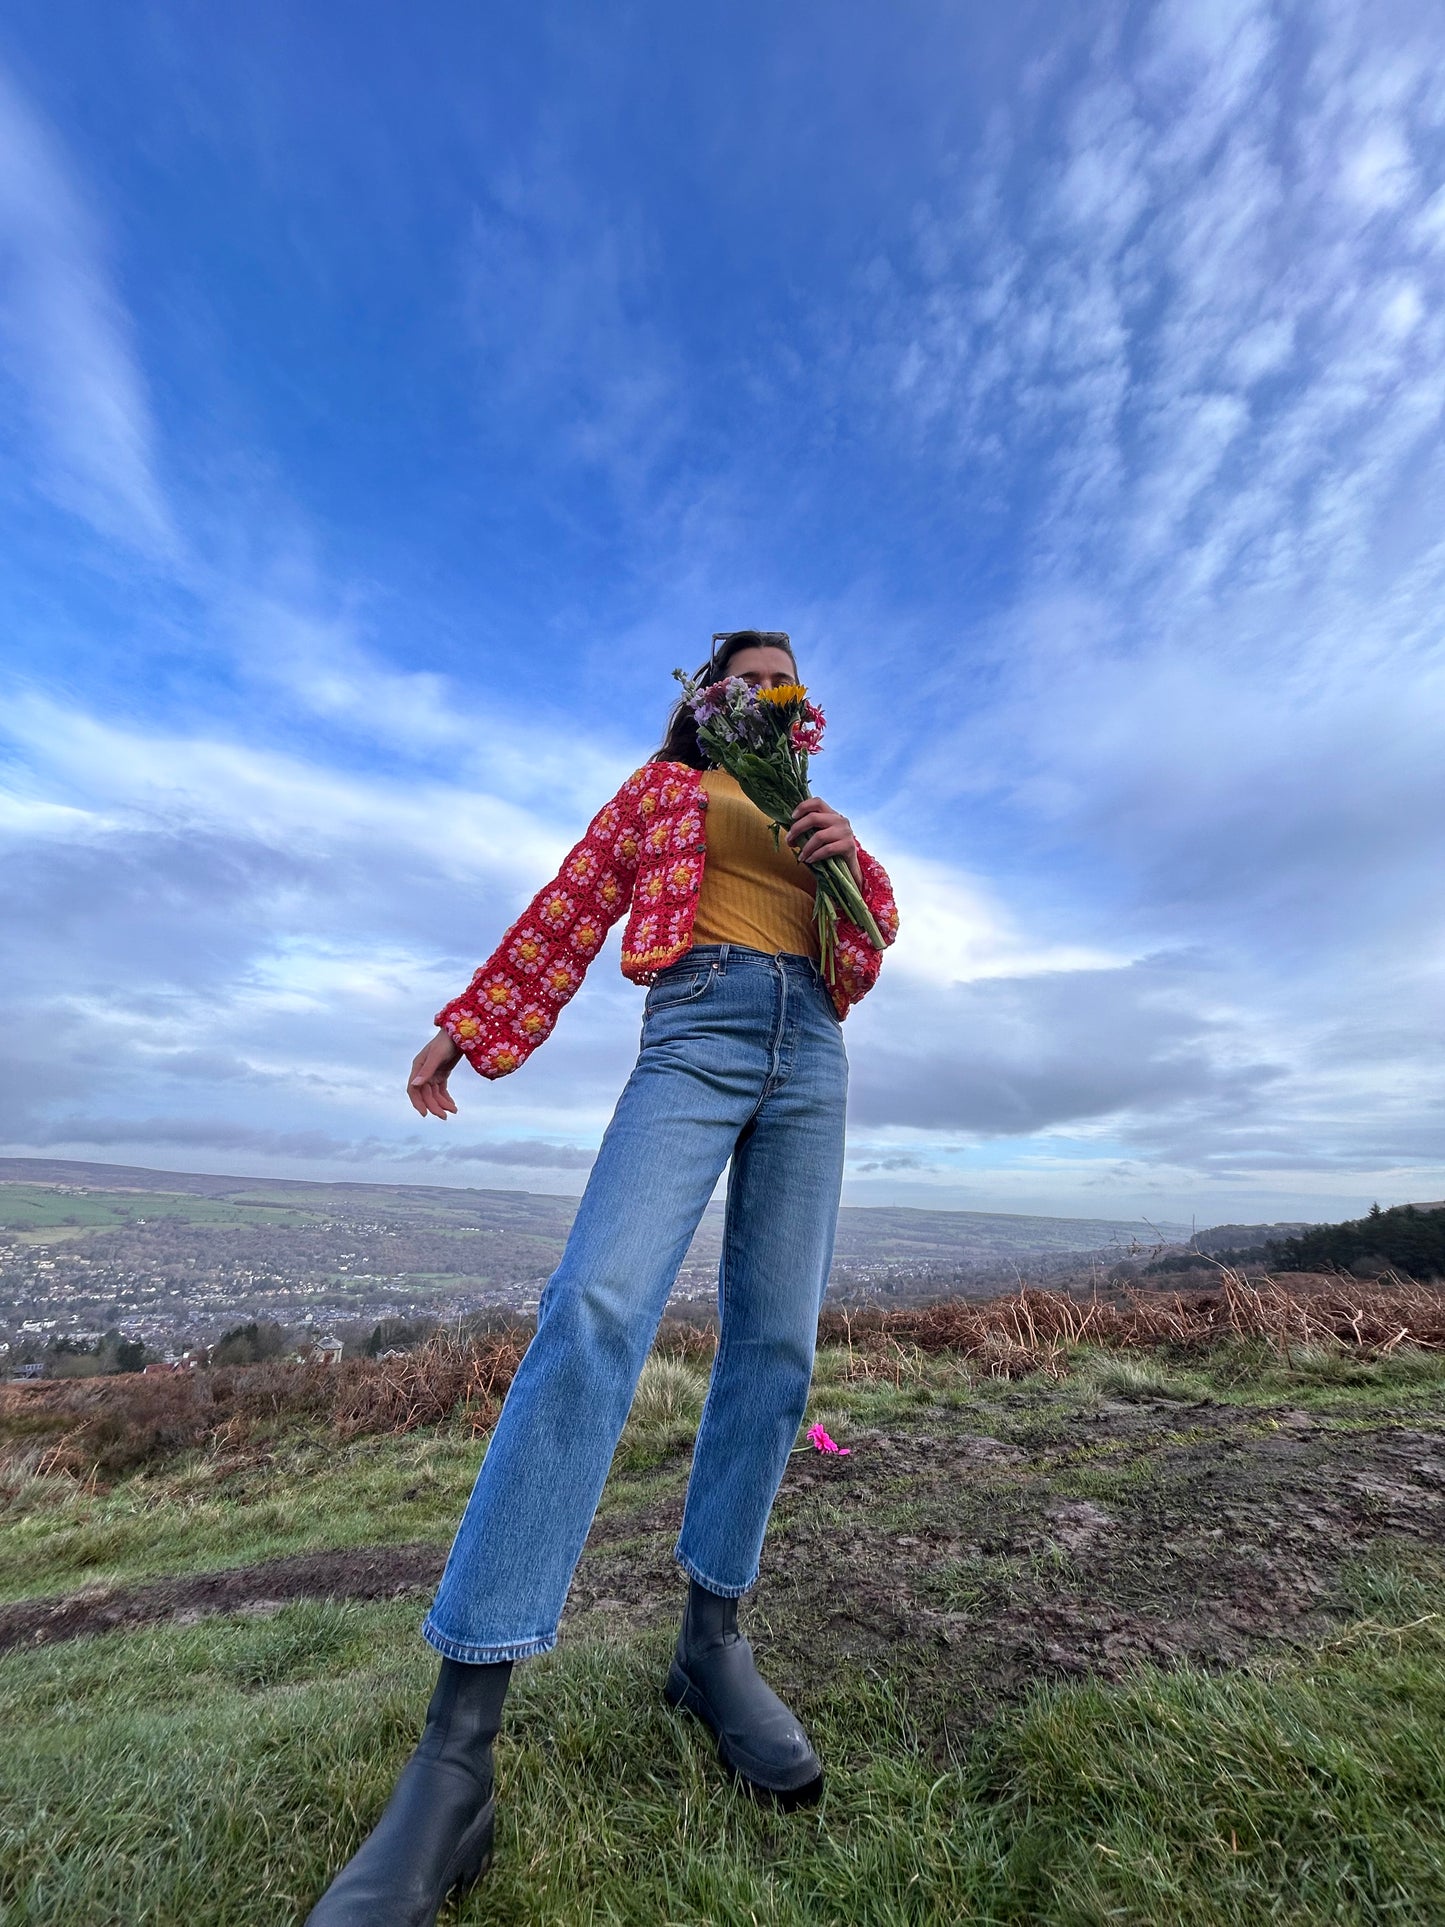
x,y
390,400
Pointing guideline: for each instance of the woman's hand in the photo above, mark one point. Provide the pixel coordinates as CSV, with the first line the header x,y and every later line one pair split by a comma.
x,y
818,831
430,1069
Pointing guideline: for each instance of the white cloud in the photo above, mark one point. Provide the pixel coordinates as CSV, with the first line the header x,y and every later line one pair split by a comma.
x,y
1168,324
66,341
1378,172
299,807
956,930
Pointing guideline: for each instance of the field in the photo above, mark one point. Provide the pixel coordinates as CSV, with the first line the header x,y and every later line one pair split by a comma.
x,y
1140,1622
176,1259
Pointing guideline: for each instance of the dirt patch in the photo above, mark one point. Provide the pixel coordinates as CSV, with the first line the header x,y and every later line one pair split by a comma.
x,y
970,1567
967,1565
373,1572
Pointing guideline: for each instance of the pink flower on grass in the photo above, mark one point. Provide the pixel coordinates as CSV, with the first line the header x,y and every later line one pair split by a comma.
x,y
818,1437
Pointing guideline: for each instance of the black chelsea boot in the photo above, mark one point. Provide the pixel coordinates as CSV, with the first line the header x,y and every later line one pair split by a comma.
x,y
713,1676
435,1833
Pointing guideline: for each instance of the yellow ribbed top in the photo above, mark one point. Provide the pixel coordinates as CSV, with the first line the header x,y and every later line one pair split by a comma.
x,y
751,893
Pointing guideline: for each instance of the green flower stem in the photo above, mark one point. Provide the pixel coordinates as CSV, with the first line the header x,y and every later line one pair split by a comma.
x,y
835,876
774,776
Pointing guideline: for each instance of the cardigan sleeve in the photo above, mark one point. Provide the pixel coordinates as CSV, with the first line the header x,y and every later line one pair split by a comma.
x,y
857,963
514,998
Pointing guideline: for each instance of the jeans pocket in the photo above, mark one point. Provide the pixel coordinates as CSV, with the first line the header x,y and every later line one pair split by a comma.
x,y
683,987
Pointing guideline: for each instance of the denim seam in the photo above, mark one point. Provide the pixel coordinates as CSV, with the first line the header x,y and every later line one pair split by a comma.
x,y
773,1081
713,1585
724,1328
470,1653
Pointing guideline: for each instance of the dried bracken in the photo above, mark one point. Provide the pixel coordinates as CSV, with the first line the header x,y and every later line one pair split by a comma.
x,y
97,1429
1035,1331
443,1379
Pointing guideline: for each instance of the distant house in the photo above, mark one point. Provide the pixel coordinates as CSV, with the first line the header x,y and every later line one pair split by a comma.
x,y
328,1350
29,1371
158,1366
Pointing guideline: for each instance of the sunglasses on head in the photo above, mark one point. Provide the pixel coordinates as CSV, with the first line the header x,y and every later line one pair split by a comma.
x,y
762,638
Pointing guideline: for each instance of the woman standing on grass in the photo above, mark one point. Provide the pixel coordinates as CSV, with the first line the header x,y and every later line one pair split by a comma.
x,y
741,1058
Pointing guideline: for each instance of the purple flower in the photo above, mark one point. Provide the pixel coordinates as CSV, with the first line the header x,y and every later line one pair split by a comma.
x,y
711,701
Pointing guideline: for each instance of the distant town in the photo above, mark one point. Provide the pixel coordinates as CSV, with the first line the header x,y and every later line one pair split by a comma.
x,y
104,1267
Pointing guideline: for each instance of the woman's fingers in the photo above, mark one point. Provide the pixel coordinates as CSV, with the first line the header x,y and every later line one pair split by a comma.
x,y
813,810
817,847
432,1099
817,831
808,812
426,1086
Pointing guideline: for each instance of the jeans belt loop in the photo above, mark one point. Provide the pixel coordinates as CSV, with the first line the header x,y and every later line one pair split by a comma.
x,y
721,966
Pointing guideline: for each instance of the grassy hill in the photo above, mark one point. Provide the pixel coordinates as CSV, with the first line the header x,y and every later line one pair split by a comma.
x,y
1147,1633
58,1193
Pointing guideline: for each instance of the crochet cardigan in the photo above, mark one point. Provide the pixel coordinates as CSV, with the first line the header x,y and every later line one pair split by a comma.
x,y
646,848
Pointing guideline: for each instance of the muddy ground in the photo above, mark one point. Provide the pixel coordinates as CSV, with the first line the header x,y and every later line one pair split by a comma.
x,y
969,1565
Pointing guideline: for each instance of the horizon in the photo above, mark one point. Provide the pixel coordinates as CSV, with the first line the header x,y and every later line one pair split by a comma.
x,y
376,1184
389,407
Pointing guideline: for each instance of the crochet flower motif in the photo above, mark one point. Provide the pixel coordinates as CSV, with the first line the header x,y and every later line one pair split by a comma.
x,y
527,950
683,876
497,992
534,1021
586,934
557,908
561,978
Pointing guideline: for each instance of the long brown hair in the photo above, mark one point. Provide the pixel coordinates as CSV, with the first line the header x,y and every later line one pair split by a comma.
x,y
680,742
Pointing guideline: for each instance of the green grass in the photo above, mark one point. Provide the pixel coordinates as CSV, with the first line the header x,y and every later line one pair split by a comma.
x,y
216,1774
199,1515
303,1490
208,1509
71,1214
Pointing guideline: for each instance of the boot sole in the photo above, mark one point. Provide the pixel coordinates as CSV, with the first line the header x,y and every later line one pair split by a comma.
x,y
679,1691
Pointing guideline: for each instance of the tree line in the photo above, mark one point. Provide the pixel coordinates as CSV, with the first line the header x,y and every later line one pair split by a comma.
x,y
1405,1238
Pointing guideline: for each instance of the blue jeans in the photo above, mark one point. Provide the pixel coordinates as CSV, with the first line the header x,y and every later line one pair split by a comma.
x,y
742,1057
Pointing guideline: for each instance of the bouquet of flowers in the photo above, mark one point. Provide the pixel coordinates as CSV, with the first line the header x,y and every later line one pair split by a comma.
x,y
763,738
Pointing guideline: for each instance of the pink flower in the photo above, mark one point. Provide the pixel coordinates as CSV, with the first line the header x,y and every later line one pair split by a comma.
x,y
817,1436
806,734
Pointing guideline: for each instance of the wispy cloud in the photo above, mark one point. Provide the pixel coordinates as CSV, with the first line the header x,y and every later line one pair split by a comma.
x,y
560,297
1191,305
194,1134
67,342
